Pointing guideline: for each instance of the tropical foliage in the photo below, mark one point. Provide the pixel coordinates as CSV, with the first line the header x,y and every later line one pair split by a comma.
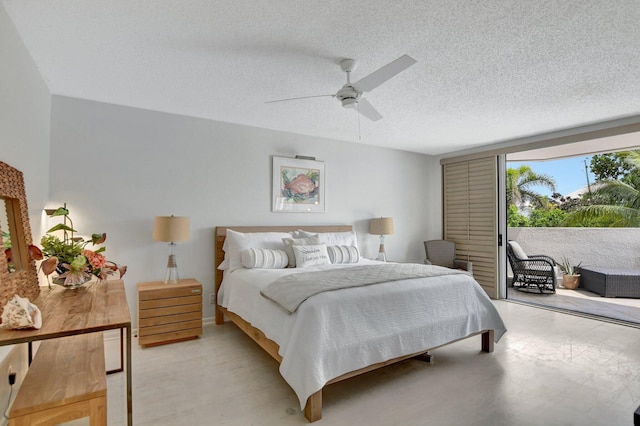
x,y
515,219
616,201
613,200
521,187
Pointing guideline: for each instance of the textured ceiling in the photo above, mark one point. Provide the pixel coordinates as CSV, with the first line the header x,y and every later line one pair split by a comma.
x,y
487,71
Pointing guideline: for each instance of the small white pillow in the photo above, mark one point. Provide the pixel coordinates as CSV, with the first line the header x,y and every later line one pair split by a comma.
x,y
264,258
311,255
348,238
304,241
343,254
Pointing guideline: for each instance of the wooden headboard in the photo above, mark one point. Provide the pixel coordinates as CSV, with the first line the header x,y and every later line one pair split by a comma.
x,y
221,234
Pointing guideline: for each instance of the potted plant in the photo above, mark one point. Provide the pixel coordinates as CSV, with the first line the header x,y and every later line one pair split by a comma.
x,y
570,273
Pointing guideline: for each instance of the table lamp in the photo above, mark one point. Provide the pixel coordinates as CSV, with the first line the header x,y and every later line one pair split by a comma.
x,y
381,226
172,230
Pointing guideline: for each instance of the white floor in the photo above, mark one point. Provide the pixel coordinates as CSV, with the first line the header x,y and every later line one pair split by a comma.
x,y
585,294
549,369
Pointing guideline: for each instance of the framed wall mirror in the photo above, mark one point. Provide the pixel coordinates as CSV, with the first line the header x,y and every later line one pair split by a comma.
x,y
18,273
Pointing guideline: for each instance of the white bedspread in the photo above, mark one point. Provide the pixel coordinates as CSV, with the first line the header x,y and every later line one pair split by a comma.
x,y
336,332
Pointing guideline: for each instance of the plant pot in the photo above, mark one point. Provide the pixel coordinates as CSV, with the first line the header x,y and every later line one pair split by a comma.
x,y
571,282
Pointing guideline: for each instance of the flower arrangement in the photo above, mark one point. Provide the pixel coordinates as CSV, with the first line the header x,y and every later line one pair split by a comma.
x,y
70,257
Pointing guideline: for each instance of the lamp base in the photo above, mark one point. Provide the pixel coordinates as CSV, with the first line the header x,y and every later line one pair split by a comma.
x,y
381,254
172,271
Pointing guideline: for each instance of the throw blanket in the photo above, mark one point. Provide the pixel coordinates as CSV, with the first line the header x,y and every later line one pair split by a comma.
x,y
291,290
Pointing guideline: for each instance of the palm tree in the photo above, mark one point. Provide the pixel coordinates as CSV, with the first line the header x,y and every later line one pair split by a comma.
x,y
521,183
632,157
616,203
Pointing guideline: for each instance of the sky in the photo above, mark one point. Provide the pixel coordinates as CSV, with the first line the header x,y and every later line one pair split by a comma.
x,y
569,173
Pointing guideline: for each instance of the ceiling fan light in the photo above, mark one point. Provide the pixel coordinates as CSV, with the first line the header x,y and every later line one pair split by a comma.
x,y
350,103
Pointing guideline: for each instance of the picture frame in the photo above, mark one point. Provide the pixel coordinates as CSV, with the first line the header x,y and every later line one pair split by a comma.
x,y
298,185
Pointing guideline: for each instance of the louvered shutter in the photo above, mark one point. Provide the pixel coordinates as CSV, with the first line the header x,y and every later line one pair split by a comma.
x,y
471,216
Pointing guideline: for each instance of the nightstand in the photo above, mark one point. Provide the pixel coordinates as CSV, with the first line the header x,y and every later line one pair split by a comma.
x,y
169,312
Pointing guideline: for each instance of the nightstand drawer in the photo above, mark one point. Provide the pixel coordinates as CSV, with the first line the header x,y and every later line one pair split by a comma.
x,y
168,319
167,328
169,310
175,301
169,292
173,336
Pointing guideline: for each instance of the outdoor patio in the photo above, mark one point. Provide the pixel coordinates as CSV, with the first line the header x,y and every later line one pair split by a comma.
x,y
582,301
610,247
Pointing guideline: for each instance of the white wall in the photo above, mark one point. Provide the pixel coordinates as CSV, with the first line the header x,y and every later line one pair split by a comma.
x,y
25,107
117,167
604,247
25,111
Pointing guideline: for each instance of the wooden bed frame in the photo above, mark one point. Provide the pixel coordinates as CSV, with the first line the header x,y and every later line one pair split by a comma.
x,y
313,408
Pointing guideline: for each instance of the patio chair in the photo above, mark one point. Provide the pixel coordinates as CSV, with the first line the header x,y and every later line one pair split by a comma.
x,y
534,273
443,253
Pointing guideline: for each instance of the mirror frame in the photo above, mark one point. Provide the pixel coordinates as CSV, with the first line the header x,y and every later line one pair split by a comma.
x,y
24,280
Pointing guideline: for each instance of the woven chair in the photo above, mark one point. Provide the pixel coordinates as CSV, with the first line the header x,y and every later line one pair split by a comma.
x,y
443,253
534,273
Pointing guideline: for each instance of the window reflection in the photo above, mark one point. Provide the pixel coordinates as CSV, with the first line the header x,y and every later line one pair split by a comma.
x,y
6,235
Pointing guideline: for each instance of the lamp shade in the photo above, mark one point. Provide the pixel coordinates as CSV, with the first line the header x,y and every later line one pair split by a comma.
x,y
171,229
381,226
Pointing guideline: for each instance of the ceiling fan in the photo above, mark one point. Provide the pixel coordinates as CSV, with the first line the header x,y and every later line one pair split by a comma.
x,y
350,95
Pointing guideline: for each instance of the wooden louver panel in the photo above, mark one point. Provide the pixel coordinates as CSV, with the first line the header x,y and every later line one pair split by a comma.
x,y
470,216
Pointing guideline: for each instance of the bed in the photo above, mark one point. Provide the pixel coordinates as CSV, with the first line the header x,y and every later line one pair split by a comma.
x,y
379,324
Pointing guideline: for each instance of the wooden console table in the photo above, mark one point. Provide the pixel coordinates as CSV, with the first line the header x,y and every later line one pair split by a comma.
x,y
97,306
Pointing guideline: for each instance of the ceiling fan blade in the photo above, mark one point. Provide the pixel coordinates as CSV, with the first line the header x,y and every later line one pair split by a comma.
x,y
366,109
301,97
376,78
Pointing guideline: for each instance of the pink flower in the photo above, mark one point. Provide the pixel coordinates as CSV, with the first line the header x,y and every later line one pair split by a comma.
x,y
96,260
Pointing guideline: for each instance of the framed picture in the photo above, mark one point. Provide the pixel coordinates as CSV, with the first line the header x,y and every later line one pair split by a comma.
x,y
298,185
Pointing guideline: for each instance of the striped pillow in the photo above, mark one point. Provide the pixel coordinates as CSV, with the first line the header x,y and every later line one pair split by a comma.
x,y
343,254
264,258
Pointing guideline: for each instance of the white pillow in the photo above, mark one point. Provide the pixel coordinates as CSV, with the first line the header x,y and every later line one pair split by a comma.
x,y
288,242
348,238
310,255
343,254
517,250
264,258
237,242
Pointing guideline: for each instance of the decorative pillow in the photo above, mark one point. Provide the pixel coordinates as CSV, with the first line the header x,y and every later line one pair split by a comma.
x,y
517,250
343,254
348,238
310,255
264,258
302,241
237,242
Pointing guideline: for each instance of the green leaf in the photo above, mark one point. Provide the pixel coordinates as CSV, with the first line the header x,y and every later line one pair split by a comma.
x,y
61,227
60,211
98,238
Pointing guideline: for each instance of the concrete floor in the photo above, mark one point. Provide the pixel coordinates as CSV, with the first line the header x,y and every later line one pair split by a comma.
x,y
549,369
583,301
